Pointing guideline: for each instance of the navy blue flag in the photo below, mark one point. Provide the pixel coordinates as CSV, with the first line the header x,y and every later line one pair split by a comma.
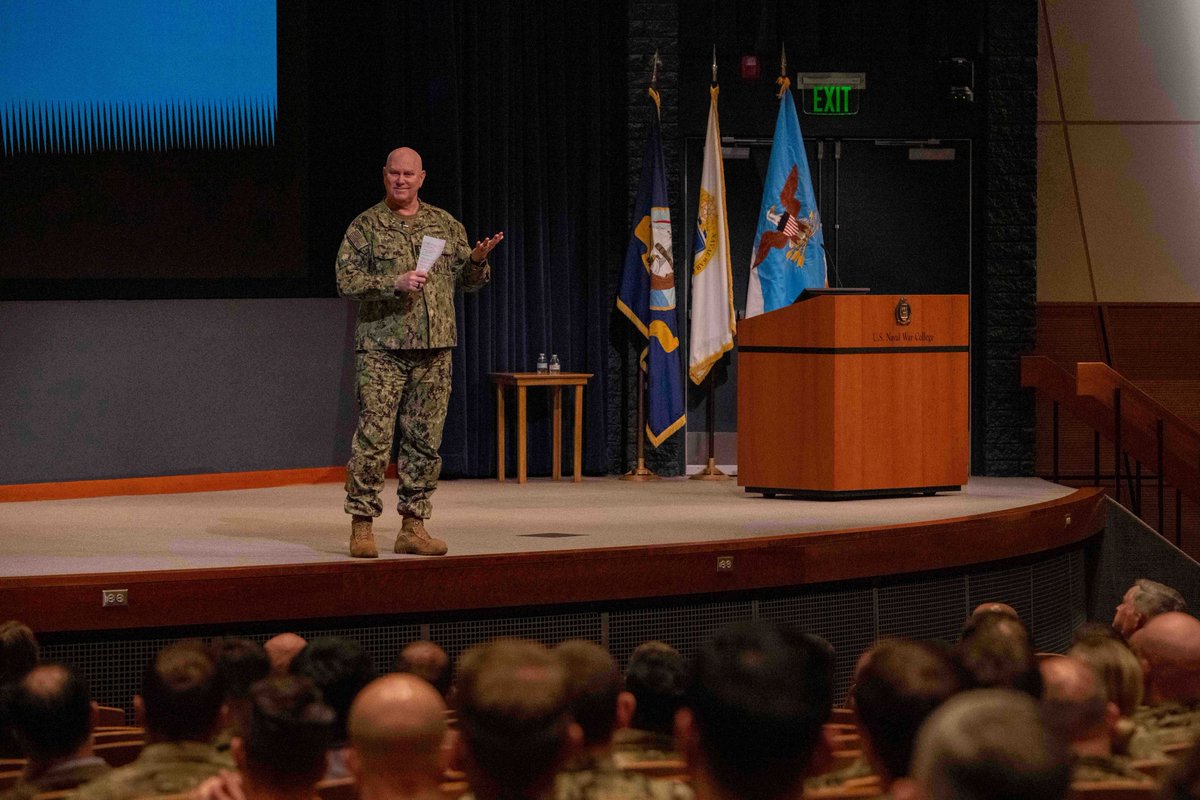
x,y
647,294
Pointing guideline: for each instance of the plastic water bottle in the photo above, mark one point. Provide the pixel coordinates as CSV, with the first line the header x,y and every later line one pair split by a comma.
x,y
555,366
542,366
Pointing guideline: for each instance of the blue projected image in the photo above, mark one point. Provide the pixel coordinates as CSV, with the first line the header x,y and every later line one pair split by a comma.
x,y
88,75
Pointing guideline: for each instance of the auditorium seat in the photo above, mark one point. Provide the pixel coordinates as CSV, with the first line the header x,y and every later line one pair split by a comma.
x,y
673,769
109,717
337,789
1112,790
118,754
8,778
1154,767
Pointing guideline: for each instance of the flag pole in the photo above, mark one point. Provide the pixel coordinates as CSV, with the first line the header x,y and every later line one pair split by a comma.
x,y
641,472
711,471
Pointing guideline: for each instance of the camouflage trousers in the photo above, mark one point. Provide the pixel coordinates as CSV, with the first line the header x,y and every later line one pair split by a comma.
x,y
406,391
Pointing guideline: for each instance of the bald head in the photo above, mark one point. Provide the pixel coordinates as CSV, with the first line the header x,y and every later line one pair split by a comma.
x,y
404,155
281,650
397,728
996,608
1074,698
427,661
1169,647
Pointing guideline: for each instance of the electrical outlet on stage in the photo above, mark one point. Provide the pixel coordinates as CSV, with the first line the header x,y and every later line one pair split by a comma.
x,y
724,563
114,597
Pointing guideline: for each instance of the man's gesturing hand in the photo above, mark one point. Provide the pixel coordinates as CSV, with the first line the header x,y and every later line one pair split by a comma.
x,y
483,248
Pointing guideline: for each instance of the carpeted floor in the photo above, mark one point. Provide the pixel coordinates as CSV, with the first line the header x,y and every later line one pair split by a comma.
x,y
305,524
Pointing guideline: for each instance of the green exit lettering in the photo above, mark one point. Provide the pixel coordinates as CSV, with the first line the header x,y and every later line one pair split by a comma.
x,y
831,100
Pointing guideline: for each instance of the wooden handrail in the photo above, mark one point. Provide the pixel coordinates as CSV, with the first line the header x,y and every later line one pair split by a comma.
x,y
1089,395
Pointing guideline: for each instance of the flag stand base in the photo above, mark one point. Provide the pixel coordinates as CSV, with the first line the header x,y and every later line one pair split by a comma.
x,y
710,473
640,473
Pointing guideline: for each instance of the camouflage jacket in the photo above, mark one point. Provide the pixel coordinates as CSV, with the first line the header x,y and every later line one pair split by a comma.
x,y
1164,724
598,778
162,768
379,246
61,777
1099,769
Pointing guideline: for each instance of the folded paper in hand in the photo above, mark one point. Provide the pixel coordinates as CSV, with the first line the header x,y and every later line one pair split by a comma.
x,y
431,251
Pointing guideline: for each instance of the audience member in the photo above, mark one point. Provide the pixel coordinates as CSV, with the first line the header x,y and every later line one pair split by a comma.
x,y
514,720
180,707
860,767
281,649
657,679
986,744
400,744
1144,601
241,663
599,706
282,749
995,608
900,686
1169,649
428,662
18,655
53,716
1077,709
340,668
1120,672
996,653
752,723
1088,631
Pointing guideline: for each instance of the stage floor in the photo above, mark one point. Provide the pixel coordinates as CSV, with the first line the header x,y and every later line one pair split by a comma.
x,y
306,525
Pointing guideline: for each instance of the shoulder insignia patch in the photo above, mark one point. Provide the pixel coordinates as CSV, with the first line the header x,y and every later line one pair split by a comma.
x,y
357,239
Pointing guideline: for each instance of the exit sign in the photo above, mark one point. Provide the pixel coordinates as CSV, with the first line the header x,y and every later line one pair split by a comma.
x,y
831,93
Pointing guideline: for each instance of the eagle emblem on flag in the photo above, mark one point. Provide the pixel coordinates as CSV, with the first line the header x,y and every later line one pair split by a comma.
x,y
792,231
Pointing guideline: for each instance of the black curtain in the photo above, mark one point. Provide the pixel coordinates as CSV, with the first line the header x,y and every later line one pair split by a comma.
x,y
518,110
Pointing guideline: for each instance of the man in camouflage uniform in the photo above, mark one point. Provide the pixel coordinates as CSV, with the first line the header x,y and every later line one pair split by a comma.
x,y
1169,648
403,339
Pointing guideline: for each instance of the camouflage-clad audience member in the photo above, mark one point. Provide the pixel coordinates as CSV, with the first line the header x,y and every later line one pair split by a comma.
x,y
241,664
399,740
1169,648
180,707
986,744
515,726
600,706
752,723
1144,601
18,654
340,668
280,751
53,716
1077,709
996,653
1120,672
657,678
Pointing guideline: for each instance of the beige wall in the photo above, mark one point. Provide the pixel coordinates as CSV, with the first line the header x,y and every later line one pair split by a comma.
x,y
1119,151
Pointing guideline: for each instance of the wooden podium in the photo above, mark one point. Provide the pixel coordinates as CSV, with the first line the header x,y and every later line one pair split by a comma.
x,y
856,395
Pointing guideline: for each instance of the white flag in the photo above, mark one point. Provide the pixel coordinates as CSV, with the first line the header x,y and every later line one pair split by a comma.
x,y
713,322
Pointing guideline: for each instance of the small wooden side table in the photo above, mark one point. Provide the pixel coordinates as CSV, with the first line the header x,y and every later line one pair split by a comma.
x,y
555,380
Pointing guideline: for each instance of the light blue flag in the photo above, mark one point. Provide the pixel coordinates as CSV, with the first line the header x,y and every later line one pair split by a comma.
x,y
647,293
788,255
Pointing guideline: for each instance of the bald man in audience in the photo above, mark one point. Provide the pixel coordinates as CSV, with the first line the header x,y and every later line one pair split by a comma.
x,y
281,650
515,726
599,706
429,662
52,716
1169,649
1076,707
986,744
399,740
1144,601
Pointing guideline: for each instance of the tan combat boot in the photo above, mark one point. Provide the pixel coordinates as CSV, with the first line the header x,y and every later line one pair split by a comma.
x,y
413,538
362,541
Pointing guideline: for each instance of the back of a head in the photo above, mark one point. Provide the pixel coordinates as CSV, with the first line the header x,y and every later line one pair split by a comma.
x,y
340,668
51,712
990,744
593,685
1153,598
1170,645
1118,668
1074,700
397,728
18,651
281,649
657,678
429,662
900,685
514,714
759,695
289,731
996,653
242,663
182,693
